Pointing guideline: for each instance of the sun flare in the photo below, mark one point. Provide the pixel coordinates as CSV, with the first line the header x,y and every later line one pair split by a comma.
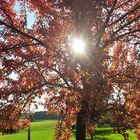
x,y
78,46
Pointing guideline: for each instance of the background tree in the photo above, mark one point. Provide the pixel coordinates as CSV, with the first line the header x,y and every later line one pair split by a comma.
x,y
41,58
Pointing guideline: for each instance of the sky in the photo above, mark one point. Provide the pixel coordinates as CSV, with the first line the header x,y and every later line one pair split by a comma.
x,y
30,16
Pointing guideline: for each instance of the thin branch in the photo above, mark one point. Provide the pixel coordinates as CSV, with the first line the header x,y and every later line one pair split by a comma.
x,y
118,37
125,25
52,84
122,17
62,76
110,12
17,46
7,15
22,33
101,32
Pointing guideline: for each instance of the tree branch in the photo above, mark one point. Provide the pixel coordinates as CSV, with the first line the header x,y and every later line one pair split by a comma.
x,y
17,46
22,33
118,37
122,17
125,25
101,32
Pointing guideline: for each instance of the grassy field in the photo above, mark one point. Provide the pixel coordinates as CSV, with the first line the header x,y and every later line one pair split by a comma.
x,y
44,130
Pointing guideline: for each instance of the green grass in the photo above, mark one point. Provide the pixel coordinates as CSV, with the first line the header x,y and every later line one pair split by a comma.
x,y
107,134
44,130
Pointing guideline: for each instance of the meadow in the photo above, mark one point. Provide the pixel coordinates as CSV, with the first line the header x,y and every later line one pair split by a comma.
x,y
44,130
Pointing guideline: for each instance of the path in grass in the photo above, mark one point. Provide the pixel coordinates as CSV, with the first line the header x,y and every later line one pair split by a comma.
x,y
44,130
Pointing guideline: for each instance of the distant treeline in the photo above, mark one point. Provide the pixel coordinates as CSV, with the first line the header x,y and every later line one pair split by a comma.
x,y
43,115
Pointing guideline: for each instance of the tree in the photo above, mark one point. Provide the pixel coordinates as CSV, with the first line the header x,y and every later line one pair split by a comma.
x,y
41,58
11,120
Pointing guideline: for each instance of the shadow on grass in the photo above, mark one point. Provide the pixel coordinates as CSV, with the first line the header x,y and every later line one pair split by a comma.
x,y
103,132
97,138
100,133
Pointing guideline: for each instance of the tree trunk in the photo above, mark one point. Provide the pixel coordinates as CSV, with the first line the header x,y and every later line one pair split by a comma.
x,y
29,136
80,127
126,136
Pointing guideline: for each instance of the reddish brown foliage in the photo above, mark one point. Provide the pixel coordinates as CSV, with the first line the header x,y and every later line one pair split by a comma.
x,y
11,120
44,63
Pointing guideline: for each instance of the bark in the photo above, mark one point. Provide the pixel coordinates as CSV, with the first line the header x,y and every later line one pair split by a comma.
x,y
126,136
80,127
29,136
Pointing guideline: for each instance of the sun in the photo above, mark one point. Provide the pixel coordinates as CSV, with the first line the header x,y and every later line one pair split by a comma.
x,y
78,46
